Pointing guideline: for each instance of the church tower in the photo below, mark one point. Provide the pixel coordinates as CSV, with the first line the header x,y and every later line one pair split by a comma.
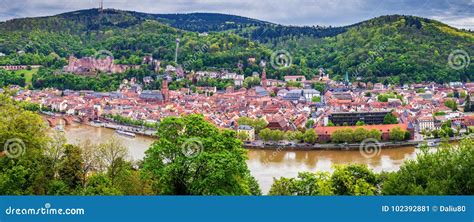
x,y
164,90
264,78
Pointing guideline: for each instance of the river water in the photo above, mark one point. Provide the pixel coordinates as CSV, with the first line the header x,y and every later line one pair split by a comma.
x,y
263,164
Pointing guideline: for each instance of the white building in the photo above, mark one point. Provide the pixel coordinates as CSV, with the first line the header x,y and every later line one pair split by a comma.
x,y
310,93
426,123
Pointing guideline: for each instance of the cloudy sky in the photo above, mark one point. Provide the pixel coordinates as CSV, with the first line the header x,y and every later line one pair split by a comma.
x,y
458,13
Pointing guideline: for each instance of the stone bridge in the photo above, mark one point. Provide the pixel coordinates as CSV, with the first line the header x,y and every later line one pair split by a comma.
x,y
54,120
68,119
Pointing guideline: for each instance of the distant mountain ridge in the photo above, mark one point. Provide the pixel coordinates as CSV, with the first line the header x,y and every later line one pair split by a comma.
x,y
414,48
196,22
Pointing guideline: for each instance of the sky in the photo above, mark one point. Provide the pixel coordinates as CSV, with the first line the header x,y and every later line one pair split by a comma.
x,y
457,13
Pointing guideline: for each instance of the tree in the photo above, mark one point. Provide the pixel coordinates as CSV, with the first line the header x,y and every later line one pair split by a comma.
x,y
55,150
90,157
468,106
390,119
242,136
257,124
193,157
446,127
112,155
448,171
354,179
71,167
342,136
397,134
131,181
299,136
375,134
23,137
58,187
277,135
316,99
306,184
265,134
330,123
309,124
360,134
451,104
100,184
310,136
407,135
360,123
321,87
251,81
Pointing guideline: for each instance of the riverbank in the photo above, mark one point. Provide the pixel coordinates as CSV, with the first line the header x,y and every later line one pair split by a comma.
x,y
260,145
283,145
330,146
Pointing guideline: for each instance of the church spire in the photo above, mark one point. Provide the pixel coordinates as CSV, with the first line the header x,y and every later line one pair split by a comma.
x,y
264,75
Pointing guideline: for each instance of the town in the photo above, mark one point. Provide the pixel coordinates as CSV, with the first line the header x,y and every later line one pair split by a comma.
x,y
426,110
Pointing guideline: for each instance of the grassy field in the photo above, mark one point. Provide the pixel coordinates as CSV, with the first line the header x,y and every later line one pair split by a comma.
x,y
28,75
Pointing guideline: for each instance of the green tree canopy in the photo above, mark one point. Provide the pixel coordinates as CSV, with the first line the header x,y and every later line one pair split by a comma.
x,y
310,136
390,119
306,184
448,171
192,156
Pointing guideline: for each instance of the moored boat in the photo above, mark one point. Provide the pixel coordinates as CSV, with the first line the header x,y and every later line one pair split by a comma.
x,y
125,133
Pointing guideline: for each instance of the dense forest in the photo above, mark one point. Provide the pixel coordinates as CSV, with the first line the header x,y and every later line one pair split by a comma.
x,y
395,49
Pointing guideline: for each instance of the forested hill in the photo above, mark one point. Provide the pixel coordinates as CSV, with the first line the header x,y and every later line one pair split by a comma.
x,y
395,48
128,36
196,22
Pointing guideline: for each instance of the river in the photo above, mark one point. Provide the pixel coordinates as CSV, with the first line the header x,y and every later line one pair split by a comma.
x,y
263,164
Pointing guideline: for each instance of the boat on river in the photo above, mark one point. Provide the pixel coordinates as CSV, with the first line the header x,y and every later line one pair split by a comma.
x,y
125,133
59,128
428,144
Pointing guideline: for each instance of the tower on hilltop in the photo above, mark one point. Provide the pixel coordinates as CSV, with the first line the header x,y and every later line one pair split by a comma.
x,y
101,6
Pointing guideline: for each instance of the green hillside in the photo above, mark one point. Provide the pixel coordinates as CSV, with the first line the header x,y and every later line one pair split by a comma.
x,y
396,49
